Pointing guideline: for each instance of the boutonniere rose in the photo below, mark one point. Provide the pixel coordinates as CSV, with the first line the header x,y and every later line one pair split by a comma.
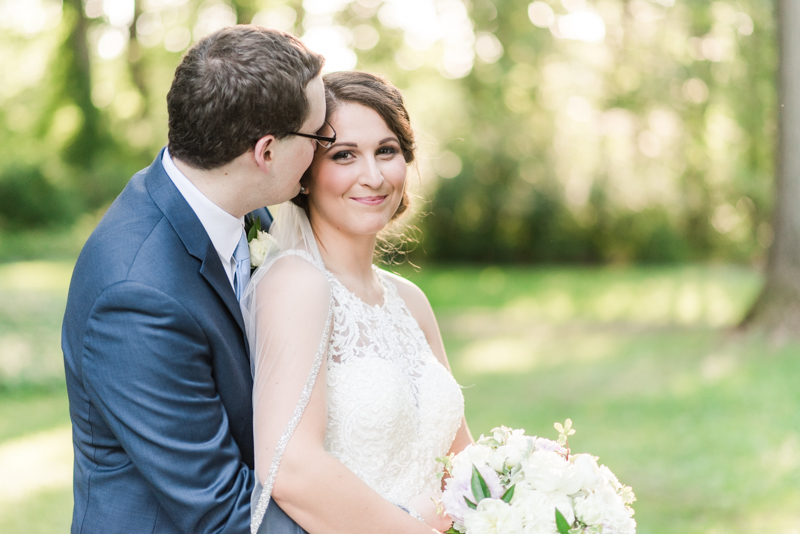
x,y
260,247
260,243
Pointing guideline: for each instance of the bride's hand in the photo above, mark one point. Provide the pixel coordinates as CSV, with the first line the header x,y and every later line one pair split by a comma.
x,y
425,505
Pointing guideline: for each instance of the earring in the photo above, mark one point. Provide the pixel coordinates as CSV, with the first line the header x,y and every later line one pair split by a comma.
x,y
303,190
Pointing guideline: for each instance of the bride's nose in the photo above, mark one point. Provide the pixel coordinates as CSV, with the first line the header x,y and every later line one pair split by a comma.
x,y
370,174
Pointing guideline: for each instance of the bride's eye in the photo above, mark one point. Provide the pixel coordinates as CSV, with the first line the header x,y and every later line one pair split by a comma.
x,y
387,150
342,155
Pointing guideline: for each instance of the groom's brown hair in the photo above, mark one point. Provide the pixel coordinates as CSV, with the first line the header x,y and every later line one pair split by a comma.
x,y
234,87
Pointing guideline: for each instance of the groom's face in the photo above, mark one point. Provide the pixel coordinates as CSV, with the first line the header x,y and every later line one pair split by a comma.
x,y
293,154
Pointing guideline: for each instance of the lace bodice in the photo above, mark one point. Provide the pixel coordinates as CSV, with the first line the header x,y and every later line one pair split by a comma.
x,y
392,407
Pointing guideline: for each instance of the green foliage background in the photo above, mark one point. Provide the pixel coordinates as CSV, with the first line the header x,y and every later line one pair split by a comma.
x,y
653,145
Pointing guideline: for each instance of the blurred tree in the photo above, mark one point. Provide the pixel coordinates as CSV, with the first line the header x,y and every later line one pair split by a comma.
x,y
580,131
647,142
75,69
246,10
777,308
136,61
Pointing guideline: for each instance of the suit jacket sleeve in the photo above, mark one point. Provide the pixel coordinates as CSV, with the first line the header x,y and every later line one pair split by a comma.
x,y
147,369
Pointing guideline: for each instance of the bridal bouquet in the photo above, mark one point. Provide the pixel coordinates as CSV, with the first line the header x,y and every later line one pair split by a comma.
x,y
510,483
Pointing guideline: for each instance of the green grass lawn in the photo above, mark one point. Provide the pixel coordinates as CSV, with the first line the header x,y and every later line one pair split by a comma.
x,y
704,423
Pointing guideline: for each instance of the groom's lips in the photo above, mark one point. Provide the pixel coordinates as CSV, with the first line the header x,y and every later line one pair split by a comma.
x,y
370,201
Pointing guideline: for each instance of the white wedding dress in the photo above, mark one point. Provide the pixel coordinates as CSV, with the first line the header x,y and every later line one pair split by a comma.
x,y
392,407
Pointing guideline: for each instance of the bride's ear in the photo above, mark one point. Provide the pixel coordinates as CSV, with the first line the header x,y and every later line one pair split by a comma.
x,y
264,152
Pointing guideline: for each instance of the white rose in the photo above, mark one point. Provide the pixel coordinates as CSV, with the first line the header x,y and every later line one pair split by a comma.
x,y
505,456
462,465
523,444
497,459
478,454
605,508
538,509
617,517
260,247
549,471
589,508
501,433
586,465
493,516
543,444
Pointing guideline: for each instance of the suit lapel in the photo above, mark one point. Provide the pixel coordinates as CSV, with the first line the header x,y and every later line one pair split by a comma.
x,y
212,271
194,237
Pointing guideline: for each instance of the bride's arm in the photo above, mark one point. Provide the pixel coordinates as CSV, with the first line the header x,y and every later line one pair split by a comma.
x,y
421,309
311,486
324,496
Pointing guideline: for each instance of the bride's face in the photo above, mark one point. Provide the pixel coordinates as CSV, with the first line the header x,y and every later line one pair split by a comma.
x,y
357,183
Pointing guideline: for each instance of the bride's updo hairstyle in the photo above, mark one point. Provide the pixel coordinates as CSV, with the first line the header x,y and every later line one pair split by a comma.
x,y
376,93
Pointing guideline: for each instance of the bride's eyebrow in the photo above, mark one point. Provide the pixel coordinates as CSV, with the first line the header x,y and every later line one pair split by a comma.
x,y
340,144
382,141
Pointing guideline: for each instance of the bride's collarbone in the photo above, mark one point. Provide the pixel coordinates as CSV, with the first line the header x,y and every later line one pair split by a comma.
x,y
370,291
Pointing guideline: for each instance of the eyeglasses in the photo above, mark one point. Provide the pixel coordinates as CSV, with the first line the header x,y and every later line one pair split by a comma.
x,y
323,140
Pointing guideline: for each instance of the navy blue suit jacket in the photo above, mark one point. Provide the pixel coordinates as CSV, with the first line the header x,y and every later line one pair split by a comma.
x,y
158,374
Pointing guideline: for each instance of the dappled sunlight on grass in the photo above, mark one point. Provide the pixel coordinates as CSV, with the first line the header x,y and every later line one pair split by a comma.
x,y
785,520
49,276
693,295
655,301
702,424
34,463
33,297
501,354
700,420
42,512
536,347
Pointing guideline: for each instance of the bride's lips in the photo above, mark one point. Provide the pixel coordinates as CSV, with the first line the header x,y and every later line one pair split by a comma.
x,y
370,201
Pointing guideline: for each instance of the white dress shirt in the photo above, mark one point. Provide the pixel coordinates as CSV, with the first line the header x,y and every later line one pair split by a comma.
x,y
224,229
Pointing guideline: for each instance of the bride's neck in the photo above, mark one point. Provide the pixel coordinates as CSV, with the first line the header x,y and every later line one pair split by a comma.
x,y
348,256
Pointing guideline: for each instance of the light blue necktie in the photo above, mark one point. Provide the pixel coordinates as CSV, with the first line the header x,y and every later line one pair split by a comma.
x,y
241,276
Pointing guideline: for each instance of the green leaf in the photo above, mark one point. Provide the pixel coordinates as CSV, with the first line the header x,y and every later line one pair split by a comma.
x,y
479,488
251,227
451,530
509,494
471,504
561,523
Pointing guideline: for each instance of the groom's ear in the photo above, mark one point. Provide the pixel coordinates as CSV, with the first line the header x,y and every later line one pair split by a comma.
x,y
264,152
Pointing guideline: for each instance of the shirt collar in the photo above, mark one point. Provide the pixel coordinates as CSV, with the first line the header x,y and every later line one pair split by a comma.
x,y
222,228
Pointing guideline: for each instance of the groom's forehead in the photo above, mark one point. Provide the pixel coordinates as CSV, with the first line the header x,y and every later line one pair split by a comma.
x,y
316,97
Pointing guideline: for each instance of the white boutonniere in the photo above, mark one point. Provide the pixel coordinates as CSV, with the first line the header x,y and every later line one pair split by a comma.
x,y
261,244
260,247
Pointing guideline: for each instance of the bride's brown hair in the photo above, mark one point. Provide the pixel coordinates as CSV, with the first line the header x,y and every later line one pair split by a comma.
x,y
377,93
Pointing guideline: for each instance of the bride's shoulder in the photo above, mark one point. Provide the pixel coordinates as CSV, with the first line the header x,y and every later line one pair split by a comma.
x,y
415,299
294,275
420,308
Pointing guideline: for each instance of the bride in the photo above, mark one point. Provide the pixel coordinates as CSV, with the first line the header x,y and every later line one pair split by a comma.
x,y
353,396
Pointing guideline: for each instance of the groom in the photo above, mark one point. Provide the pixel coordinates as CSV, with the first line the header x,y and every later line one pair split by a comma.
x,y
156,358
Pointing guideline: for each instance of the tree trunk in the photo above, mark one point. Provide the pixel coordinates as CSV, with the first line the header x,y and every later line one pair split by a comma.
x,y
245,10
136,64
81,149
777,309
